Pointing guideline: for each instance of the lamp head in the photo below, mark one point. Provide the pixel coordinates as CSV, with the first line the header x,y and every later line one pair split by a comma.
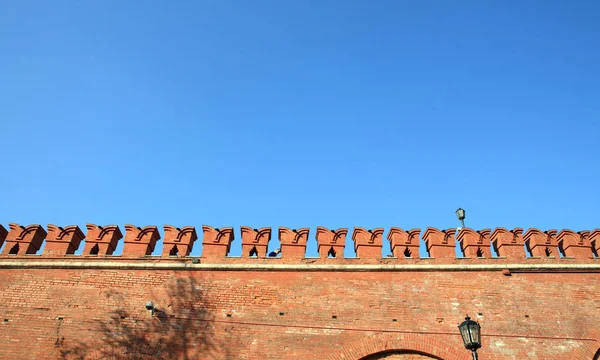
x,y
460,214
150,307
471,333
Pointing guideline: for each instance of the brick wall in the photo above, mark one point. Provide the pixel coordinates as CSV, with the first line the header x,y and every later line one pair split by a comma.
x,y
65,306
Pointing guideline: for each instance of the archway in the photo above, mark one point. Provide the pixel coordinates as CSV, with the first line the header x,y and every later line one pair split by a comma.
x,y
410,346
400,355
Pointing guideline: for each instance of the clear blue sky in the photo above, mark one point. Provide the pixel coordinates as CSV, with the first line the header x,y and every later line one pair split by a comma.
x,y
300,113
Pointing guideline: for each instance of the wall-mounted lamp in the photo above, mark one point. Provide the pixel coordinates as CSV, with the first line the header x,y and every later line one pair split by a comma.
x,y
150,307
471,334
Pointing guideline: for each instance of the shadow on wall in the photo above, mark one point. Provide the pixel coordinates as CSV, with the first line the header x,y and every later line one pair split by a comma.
x,y
181,327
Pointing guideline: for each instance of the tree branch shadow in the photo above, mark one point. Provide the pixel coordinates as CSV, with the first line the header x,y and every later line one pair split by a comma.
x,y
179,329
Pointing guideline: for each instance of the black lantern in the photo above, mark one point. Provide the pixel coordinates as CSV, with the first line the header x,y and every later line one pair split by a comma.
x,y
471,335
460,214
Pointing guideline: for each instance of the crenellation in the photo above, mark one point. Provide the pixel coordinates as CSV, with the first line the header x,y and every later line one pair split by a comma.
x,y
139,242
178,242
331,243
3,233
293,242
595,242
62,241
509,244
475,244
101,240
575,244
440,244
404,244
23,240
541,244
216,242
255,241
367,243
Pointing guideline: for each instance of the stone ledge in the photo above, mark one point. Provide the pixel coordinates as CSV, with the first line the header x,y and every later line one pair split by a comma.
x,y
124,264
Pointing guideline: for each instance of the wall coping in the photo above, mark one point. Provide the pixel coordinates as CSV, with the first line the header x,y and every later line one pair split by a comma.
x,y
143,264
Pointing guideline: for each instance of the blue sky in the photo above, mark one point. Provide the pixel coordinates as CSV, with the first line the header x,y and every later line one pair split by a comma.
x,y
300,113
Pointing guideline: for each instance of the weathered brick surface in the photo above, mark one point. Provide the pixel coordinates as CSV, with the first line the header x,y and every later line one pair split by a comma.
x,y
61,306
282,314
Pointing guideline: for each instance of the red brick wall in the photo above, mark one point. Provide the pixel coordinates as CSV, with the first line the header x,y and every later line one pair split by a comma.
x,y
237,314
57,305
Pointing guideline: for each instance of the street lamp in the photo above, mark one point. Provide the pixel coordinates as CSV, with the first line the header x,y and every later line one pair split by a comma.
x,y
460,214
471,335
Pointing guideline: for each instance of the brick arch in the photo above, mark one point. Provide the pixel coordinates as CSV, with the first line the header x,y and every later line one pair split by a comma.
x,y
399,355
423,344
590,349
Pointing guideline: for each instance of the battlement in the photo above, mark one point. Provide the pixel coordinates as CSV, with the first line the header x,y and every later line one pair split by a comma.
x,y
129,291
495,246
